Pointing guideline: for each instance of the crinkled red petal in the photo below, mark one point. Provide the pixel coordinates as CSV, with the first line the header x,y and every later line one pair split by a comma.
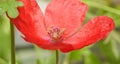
x,y
96,29
68,14
30,23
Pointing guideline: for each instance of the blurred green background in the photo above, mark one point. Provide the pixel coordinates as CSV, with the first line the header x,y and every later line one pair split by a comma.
x,y
107,51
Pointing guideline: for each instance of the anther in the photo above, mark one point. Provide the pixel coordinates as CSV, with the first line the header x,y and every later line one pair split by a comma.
x,y
55,33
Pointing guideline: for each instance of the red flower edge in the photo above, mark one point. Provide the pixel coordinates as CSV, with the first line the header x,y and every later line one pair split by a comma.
x,y
60,28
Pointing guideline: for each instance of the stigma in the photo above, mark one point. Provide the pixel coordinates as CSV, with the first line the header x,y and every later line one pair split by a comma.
x,y
56,33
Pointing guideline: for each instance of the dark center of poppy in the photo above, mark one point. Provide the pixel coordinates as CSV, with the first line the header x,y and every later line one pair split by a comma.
x,y
55,33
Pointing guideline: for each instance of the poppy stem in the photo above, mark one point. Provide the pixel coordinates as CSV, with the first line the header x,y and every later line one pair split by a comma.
x,y
13,61
57,57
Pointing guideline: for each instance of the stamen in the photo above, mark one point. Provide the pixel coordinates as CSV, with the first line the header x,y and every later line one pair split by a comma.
x,y
56,33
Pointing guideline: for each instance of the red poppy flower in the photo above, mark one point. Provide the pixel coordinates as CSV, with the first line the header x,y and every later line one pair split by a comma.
x,y
60,27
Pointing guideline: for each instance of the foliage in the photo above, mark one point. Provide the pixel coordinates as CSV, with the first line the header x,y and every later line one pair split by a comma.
x,y
10,6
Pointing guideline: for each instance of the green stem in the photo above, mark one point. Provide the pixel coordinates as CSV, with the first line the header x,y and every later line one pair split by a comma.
x,y
57,57
13,61
103,7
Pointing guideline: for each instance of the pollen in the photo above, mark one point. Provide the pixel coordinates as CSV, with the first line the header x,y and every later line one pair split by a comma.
x,y
56,33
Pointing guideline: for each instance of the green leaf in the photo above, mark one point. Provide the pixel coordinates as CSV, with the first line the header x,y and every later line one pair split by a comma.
x,y
19,3
13,12
10,6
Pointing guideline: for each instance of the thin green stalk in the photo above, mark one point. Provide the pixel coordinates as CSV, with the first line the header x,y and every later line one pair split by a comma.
x,y
13,61
103,7
57,57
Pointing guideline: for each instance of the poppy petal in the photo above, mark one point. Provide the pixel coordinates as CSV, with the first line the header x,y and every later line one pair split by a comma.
x,y
68,14
96,29
30,23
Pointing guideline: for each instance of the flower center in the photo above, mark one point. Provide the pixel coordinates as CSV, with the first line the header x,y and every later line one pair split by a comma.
x,y
55,33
